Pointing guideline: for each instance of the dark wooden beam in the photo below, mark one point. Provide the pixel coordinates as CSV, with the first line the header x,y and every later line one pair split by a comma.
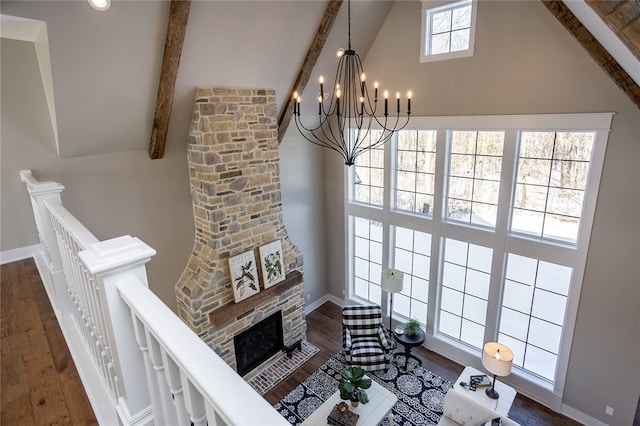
x,y
176,29
623,17
330,14
595,49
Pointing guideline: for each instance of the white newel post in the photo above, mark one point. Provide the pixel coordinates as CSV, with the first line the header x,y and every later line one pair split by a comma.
x,y
110,261
40,192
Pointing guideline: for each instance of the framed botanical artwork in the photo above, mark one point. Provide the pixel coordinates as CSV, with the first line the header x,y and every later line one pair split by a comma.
x,y
272,263
244,275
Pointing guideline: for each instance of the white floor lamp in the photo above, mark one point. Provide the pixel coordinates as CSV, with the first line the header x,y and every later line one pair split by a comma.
x,y
392,283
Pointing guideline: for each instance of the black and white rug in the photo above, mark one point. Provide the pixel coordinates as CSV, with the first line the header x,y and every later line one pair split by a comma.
x,y
420,393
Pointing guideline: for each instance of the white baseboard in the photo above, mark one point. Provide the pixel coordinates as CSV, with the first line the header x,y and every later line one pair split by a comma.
x,y
319,302
21,253
581,417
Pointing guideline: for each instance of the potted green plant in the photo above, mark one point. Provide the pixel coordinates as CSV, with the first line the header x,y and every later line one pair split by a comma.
x,y
353,384
412,327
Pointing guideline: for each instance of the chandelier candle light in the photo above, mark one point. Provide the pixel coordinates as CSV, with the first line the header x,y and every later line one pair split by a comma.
x,y
347,121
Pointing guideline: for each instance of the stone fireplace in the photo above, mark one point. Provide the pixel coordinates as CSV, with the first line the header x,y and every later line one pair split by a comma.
x,y
235,188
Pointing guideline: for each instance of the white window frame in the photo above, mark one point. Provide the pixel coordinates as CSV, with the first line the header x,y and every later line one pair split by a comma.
x,y
433,6
567,254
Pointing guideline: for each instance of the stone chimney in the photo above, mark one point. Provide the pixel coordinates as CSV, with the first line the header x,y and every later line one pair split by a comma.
x,y
235,187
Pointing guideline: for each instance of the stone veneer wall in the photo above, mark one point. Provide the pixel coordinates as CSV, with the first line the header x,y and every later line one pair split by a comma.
x,y
235,187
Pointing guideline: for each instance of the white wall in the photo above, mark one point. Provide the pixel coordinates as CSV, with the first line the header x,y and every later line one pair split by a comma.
x,y
525,62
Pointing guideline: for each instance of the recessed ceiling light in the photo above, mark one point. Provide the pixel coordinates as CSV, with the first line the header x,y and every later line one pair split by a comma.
x,y
100,5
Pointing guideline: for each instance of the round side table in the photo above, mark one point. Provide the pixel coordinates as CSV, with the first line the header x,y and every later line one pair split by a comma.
x,y
409,342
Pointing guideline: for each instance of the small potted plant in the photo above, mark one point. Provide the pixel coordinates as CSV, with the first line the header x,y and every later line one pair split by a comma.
x,y
412,327
353,385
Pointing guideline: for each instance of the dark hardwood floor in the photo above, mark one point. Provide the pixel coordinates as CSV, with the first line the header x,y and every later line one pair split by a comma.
x,y
324,331
39,383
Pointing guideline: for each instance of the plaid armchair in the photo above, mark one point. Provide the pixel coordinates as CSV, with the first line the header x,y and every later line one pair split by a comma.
x,y
365,341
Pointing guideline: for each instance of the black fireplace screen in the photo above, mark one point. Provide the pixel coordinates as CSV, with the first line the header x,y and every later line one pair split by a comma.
x,y
258,343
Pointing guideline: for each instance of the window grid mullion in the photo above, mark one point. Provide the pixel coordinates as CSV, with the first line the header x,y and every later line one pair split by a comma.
x,y
546,201
541,248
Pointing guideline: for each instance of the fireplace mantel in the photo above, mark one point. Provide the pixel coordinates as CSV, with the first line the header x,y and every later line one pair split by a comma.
x,y
234,310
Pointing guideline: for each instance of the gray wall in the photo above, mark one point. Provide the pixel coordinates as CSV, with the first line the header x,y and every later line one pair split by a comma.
x,y
525,62
105,77
105,70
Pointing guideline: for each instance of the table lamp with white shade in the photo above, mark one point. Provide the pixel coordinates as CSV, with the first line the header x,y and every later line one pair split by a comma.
x,y
392,283
497,359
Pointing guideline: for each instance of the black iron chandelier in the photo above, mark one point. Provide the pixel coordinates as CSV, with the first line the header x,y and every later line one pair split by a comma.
x,y
347,121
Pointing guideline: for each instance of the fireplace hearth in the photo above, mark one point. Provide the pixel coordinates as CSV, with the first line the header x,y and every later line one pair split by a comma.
x,y
258,343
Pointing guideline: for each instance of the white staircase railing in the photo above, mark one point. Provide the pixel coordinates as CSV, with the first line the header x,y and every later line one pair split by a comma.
x,y
139,363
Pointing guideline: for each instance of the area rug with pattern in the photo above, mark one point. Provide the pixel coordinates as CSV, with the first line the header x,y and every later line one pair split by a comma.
x,y
420,393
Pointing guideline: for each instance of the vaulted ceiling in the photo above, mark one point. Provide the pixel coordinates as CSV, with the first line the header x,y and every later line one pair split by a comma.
x,y
608,30
622,17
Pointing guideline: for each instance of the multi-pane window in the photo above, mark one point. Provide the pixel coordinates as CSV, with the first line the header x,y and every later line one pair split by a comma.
x,y
475,164
489,218
466,270
415,171
412,255
553,168
533,310
368,175
448,29
367,258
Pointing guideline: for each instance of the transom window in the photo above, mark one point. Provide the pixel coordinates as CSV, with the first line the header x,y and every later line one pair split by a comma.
x,y
370,165
448,29
415,171
489,218
475,164
553,168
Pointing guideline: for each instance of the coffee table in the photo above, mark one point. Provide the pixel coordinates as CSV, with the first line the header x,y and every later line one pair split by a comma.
x,y
502,405
381,401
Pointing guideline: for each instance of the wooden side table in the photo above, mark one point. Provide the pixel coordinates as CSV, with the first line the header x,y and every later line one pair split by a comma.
x,y
409,342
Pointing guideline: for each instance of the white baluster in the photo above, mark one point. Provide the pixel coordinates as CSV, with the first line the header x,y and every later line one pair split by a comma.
x,y
175,385
40,192
154,393
194,403
111,261
155,354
